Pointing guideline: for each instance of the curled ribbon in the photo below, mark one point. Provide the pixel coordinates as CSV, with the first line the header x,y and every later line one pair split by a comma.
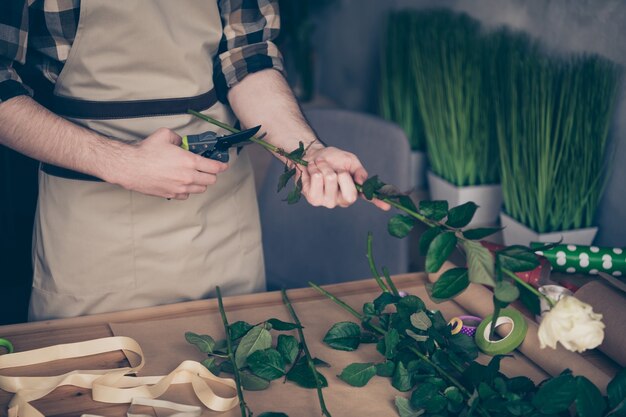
x,y
107,385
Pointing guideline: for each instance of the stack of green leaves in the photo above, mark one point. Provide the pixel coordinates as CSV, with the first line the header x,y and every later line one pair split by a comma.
x,y
420,355
398,101
258,357
449,60
553,116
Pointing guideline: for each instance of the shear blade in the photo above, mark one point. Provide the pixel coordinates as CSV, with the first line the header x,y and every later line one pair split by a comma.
x,y
228,141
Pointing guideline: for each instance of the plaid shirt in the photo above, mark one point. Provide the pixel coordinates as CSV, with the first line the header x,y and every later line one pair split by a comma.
x,y
40,33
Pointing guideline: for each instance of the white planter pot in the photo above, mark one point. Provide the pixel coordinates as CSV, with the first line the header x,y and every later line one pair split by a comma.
x,y
487,197
515,233
417,165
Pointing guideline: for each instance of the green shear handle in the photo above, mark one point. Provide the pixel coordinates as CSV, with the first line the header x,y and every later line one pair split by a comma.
x,y
7,345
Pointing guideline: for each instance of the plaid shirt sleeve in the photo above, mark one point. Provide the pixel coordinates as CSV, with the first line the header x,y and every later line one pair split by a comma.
x,y
249,27
13,39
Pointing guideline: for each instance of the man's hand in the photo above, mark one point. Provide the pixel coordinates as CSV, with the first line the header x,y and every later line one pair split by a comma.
x,y
159,166
265,98
329,178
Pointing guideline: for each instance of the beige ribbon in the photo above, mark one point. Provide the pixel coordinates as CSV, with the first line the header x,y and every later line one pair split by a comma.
x,y
107,385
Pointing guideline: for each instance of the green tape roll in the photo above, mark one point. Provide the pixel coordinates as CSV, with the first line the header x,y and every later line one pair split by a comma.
x,y
7,345
508,343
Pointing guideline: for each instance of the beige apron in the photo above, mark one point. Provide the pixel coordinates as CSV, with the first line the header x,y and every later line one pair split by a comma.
x,y
98,247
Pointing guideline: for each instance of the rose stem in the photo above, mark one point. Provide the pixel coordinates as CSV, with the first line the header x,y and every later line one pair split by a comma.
x,y
254,139
370,259
245,411
307,354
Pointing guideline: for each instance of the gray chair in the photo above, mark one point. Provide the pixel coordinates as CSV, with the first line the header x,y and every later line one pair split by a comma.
x,y
304,243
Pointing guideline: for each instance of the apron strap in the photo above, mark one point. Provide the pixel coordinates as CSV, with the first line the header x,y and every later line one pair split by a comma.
x,y
101,110
106,110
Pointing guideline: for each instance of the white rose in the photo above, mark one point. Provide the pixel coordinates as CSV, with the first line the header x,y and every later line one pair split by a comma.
x,y
574,324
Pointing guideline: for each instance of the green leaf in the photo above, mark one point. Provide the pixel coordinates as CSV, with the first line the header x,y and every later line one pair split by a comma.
x,y
460,216
619,410
227,366
203,342
283,180
485,392
371,186
506,292
368,309
392,338
401,379
273,414
415,336
210,364
520,384
405,409
287,346
436,404
282,325
221,347
267,363
252,382
464,346
358,374
517,259
427,238
409,305
239,329
480,263
344,335
406,202
427,396
421,321
258,338
616,390
440,249
556,395
383,300
294,195
434,210
589,400
519,408
454,395
480,232
298,153
385,369
301,374
451,283
400,226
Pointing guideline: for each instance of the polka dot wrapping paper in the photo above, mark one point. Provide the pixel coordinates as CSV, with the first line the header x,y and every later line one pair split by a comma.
x,y
585,259
535,277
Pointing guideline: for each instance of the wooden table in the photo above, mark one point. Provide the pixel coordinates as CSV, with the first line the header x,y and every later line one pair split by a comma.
x,y
316,312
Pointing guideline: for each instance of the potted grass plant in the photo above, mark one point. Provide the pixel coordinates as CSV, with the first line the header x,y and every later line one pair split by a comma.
x,y
398,101
449,62
553,116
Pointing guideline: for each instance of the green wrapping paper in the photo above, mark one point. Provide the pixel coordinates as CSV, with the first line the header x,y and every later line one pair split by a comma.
x,y
585,259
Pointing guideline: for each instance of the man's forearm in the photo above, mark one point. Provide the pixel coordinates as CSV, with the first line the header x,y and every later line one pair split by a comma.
x,y
265,98
29,128
156,165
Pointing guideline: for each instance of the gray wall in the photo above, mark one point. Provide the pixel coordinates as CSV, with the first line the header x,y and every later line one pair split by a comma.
x,y
349,35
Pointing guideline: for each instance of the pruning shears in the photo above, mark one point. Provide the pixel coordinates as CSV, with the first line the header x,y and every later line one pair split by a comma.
x,y
7,345
210,145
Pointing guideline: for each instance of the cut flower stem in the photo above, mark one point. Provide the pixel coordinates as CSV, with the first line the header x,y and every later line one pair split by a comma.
x,y
307,353
245,411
